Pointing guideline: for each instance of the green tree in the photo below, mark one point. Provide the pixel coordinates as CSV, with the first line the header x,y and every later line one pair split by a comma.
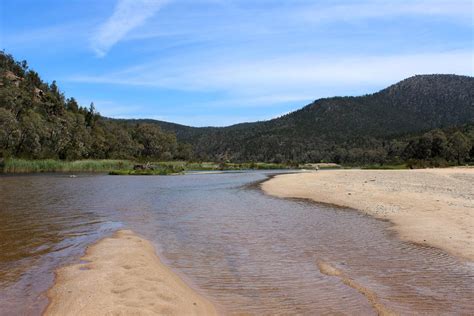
x,y
9,132
71,105
32,131
423,147
439,143
91,115
459,147
184,152
78,138
33,80
99,145
155,143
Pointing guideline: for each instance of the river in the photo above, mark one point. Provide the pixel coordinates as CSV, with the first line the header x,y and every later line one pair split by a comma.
x,y
249,253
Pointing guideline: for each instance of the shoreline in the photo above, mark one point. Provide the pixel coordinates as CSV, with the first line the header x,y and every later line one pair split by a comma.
x,y
433,207
122,274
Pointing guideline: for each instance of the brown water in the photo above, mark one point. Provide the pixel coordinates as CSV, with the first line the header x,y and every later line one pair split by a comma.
x,y
248,252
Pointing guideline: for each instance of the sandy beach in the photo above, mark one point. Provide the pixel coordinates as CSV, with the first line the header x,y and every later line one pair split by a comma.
x,y
122,275
434,207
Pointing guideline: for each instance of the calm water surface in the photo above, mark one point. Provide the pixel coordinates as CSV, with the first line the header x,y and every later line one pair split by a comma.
x,y
248,252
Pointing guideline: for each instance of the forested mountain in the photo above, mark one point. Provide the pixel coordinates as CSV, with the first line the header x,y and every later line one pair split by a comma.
x,y
372,128
37,121
426,118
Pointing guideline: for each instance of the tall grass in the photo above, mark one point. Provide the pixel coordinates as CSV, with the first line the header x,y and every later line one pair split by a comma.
x,y
14,165
212,166
51,165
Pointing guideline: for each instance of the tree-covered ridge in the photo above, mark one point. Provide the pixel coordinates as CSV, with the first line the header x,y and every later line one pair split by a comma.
x,y
37,121
423,120
374,128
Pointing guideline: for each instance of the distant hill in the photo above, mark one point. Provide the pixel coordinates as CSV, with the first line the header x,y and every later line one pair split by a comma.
x,y
426,120
412,106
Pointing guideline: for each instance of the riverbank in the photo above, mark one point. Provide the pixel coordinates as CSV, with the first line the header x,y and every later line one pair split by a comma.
x,y
434,207
121,275
51,165
126,167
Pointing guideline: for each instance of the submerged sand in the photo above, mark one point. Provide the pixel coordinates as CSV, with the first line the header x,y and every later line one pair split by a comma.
x,y
371,296
430,206
122,275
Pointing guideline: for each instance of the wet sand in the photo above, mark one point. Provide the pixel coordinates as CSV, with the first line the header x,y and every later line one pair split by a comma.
x,y
329,270
434,207
121,275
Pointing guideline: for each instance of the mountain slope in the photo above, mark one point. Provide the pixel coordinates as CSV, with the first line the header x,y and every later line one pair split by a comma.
x,y
398,124
414,105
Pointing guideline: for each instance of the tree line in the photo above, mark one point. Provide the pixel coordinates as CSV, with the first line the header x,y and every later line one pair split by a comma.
x,y
422,120
37,121
435,148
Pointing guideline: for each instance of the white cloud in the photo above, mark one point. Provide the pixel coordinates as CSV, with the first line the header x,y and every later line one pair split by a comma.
x,y
284,79
127,15
460,9
250,61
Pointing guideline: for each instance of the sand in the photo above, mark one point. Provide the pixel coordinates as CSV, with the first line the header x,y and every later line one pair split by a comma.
x,y
434,207
121,275
371,296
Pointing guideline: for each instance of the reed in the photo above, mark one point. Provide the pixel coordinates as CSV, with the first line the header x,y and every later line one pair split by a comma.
x,y
51,165
116,167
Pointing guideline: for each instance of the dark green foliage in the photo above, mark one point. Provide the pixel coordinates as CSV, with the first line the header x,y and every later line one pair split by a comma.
x,y
38,122
440,148
421,121
459,147
157,170
373,129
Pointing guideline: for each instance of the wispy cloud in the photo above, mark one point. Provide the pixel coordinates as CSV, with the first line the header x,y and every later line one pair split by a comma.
x,y
238,18
290,76
48,35
235,57
357,10
127,15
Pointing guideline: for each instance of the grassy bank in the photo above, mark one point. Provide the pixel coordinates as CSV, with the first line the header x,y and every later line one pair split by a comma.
x,y
216,166
125,167
158,170
51,165
175,167
212,166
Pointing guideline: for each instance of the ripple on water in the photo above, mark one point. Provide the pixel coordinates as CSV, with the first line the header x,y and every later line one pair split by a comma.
x,y
250,253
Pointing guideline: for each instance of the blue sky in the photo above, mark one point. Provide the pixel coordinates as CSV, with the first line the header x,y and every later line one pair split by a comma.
x,y
219,62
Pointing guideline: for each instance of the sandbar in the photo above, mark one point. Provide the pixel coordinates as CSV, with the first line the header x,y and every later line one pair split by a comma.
x,y
122,275
434,207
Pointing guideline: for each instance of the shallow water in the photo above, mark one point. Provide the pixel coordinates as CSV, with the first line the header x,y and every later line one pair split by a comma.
x,y
248,252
